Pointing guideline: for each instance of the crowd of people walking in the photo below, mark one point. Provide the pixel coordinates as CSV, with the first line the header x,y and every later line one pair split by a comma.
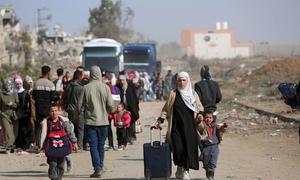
x,y
78,113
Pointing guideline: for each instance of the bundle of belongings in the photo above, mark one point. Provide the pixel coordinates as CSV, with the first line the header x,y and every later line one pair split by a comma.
x,y
291,94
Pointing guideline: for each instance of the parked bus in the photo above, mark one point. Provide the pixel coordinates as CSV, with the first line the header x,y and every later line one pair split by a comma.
x,y
141,57
106,53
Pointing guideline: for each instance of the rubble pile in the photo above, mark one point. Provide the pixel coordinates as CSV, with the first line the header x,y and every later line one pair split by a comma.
x,y
247,122
65,55
280,70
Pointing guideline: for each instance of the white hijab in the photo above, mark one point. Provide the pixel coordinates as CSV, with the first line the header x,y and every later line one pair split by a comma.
x,y
187,92
15,89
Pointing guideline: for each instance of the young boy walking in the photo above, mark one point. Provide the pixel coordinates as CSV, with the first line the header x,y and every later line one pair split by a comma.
x,y
57,136
210,146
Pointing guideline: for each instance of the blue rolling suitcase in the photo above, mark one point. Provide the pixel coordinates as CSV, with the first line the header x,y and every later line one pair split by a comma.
x,y
157,158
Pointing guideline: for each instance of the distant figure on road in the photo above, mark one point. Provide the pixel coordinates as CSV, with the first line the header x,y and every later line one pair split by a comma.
x,y
182,112
9,102
43,94
208,90
115,91
23,138
97,102
59,81
71,96
28,85
128,96
167,84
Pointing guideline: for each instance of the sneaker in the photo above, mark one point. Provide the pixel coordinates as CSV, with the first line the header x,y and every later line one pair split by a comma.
x,y
86,147
124,146
210,175
179,172
186,175
120,148
96,174
107,148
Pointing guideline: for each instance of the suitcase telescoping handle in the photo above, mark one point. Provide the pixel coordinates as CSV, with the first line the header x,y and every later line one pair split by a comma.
x,y
151,135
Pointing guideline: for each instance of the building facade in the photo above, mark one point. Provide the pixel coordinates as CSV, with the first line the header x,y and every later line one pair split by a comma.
x,y
210,44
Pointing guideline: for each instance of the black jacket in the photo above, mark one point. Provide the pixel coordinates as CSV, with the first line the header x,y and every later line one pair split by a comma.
x,y
209,94
132,102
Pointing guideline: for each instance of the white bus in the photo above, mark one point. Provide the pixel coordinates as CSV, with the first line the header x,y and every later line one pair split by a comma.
x,y
106,53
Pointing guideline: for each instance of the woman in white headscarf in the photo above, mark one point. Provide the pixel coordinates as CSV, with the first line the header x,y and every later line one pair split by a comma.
x,y
182,111
23,138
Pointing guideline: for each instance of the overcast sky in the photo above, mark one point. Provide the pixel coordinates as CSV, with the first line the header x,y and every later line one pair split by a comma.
x,y
275,21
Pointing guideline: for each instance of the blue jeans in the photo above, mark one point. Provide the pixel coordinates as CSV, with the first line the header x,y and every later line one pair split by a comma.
x,y
97,136
210,157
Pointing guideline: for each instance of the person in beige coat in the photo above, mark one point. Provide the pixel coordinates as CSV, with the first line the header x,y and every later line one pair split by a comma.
x,y
182,110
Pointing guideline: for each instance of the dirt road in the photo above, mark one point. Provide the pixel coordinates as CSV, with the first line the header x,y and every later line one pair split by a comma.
x,y
262,156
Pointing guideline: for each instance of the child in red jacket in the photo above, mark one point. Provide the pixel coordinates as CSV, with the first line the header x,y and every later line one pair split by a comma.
x,y
121,121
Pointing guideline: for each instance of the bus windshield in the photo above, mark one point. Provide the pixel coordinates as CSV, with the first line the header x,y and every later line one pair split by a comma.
x,y
136,57
100,51
105,63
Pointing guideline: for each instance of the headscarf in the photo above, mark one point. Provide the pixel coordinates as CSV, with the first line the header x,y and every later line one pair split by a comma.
x,y
4,91
131,75
28,79
146,80
204,72
113,79
15,89
187,92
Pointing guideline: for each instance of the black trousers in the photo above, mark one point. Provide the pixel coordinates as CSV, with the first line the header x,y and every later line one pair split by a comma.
x,y
110,135
122,136
56,167
38,128
78,128
131,134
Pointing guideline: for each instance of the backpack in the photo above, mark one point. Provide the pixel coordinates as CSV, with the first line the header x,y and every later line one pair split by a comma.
x,y
57,143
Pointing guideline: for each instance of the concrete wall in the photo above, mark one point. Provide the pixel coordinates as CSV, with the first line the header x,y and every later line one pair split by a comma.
x,y
211,44
219,45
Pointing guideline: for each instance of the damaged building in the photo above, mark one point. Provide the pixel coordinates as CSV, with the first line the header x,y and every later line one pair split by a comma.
x,y
210,44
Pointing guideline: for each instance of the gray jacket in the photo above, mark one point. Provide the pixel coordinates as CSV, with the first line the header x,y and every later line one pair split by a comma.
x,y
96,100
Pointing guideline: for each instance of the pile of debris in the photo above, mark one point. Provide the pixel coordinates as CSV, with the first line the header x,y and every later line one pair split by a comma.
x,y
247,122
281,70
